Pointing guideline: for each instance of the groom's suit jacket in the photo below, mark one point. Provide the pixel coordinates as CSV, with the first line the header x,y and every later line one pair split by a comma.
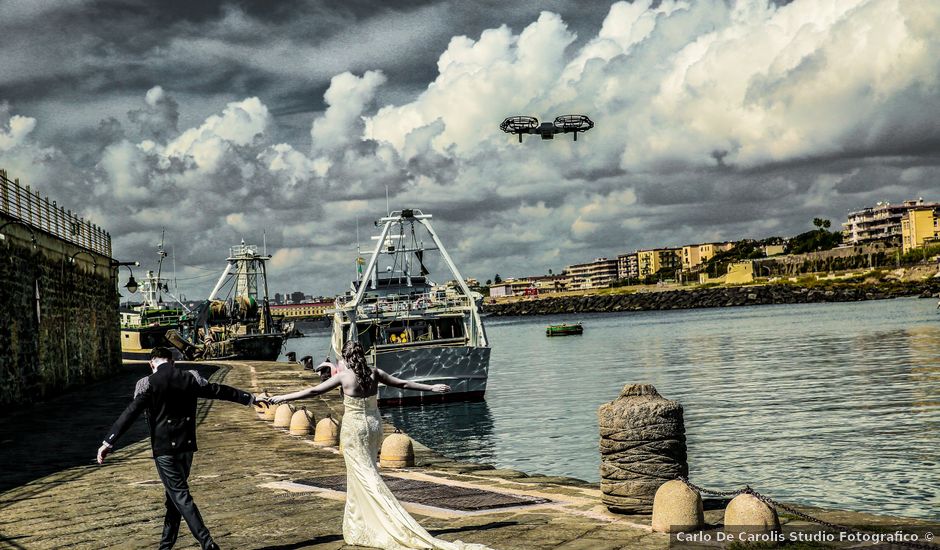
x,y
169,397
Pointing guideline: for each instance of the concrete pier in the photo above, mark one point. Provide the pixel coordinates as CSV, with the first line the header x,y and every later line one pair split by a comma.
x,y
248,480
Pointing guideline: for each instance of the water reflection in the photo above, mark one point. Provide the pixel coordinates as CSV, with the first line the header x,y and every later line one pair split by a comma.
x,y
462,431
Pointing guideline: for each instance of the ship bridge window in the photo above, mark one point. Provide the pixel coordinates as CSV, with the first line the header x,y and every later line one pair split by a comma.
x,y
404,332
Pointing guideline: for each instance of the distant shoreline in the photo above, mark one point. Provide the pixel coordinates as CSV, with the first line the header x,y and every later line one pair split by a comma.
x,y
709,297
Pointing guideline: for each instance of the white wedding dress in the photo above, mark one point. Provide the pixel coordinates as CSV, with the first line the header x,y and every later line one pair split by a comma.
x,y
373,515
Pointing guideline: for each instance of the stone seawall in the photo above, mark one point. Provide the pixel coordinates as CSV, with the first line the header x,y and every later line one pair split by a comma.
x,y
59,323
714,297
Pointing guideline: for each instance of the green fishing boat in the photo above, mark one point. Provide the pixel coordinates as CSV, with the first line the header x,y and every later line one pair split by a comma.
x,y
564,330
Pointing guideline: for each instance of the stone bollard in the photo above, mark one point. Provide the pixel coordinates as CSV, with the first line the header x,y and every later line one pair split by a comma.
x,y
397,451
749,514
327,433
642,446
282,415
677,508
261,408
301,423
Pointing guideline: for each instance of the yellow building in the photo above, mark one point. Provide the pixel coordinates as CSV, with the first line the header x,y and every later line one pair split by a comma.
x,y
918,227
650,262
310,309
694,255
738,273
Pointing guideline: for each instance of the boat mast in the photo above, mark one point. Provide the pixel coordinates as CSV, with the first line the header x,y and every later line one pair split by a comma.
x,y
476,327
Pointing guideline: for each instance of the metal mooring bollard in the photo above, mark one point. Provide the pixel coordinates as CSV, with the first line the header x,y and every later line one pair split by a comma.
x,y
642,446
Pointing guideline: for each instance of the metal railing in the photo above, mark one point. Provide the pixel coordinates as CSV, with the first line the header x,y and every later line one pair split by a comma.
x,y
28,207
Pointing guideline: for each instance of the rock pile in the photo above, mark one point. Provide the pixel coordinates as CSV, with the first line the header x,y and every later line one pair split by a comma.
x,y
642,446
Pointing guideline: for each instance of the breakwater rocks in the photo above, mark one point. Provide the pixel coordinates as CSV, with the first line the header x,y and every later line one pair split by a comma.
x,y
715,297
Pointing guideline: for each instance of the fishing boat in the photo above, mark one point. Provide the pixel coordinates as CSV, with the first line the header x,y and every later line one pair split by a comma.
x,y
564,330
144,327
409,326
235,321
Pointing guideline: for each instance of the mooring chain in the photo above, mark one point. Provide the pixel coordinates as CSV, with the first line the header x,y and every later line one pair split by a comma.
x,y
767,500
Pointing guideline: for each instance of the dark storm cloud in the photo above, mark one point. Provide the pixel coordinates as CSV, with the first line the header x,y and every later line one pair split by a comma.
x,y
715,120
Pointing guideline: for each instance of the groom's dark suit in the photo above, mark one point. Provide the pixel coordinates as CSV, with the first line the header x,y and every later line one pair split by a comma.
x,y
169,396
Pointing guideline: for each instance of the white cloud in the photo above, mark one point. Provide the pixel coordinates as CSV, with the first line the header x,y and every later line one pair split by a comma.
x,y
709,115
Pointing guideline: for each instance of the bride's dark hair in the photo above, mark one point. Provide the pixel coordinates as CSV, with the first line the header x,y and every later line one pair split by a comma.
x,y
355,359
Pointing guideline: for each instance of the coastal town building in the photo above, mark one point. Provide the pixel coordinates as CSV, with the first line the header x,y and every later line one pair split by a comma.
x,y
512,287
302,310
694,255
774,249
919,227
547,284
597,274
738,273
650,262
881,222
627,266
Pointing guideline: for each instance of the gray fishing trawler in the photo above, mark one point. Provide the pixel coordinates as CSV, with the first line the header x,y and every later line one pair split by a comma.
x,y
408,326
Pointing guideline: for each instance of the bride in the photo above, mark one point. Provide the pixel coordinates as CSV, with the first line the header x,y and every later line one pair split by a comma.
x,y
373,515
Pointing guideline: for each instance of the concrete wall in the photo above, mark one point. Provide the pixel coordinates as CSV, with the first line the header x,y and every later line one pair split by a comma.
x,y
70,334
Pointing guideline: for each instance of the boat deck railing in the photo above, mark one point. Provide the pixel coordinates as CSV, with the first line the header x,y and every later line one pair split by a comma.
x,y
404,304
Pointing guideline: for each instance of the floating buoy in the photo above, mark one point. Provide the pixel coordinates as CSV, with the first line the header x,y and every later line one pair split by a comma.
x,y
748,514
397,451
327,433
283,415
677,508
301,423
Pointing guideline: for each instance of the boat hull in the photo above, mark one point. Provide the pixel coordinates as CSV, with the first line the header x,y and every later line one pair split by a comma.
x,y
253,347
464,369
137,342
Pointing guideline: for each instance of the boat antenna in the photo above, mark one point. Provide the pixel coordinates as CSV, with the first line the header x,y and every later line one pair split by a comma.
x,y
264,242
388,211
161,252
358,254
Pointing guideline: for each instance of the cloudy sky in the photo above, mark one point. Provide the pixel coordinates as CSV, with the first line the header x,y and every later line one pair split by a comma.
x,y
222,120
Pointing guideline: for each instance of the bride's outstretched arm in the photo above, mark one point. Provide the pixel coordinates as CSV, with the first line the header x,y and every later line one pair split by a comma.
x,y
309,392
390,380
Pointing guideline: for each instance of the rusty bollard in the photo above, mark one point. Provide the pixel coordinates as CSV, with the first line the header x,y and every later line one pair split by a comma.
x,y
642,447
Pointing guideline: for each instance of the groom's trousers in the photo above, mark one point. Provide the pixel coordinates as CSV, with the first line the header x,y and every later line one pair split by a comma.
x,y
174,472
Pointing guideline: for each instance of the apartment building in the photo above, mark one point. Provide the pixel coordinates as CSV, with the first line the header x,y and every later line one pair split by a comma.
x,y
919,227
597,274
627,266
881,222
512,287
650,262
694,255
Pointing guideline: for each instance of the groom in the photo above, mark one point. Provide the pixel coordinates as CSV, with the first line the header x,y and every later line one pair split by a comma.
x,y
169,398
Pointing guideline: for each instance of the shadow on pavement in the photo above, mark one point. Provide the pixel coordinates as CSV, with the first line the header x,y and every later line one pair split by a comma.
x,y
65,431
435,532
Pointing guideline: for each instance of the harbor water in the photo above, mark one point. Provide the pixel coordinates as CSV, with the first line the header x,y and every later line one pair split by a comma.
x,y
833,405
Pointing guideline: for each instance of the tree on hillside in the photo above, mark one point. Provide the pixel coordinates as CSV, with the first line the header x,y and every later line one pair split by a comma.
x,y
818,239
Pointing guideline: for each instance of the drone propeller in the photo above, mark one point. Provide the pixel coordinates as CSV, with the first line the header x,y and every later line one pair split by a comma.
x,y
574,123
519,125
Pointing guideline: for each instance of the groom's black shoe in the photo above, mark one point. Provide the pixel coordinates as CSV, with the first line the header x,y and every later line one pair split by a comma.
x,y
213,546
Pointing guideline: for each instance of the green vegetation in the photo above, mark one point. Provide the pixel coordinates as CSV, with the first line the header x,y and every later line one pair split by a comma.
x,y
818,239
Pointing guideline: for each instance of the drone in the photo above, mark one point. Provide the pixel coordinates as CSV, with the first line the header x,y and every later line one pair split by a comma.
x,y
563,125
